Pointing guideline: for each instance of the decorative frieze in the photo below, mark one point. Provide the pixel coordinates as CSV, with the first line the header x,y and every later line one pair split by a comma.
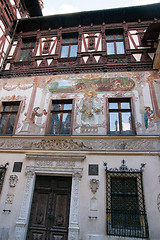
x,y
148,144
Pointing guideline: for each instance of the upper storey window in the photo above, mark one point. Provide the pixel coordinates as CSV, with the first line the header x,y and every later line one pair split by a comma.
x,y
61,115
8,117
120,116
27,48
69,46
115,44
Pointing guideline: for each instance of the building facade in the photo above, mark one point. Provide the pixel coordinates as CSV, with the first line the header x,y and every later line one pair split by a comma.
x,y
79,126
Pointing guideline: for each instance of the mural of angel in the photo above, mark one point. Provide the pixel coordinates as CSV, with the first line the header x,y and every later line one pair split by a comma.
x,y
148,116
35,113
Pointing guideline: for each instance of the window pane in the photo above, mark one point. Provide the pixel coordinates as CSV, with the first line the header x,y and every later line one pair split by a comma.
x,y
11,124
120,47
64,52
114,122
29,55
6,108
32,44
22,55
73,52
125,105
66,123
110,37
119,36
15,107
113,105
57,106
110,48
3,121
66,40
126,122
54,123
25,45
74,40
68,106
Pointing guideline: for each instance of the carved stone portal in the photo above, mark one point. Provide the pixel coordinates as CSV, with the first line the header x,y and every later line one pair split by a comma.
x,y
71,166
94,185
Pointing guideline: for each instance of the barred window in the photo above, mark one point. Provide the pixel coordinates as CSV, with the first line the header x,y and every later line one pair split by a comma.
x,y
125,211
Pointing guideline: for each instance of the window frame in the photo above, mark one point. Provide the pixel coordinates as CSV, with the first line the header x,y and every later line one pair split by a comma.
x,y
28,48
51,111
115,41
10,103
69,44
120,111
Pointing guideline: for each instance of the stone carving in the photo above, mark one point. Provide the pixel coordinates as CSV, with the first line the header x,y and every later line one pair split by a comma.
x,y
151,144
158,202
94,185
59,144
9,198
13,179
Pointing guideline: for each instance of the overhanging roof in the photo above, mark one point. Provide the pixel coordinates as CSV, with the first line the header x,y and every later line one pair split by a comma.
x,y
108,16
152,32
33,7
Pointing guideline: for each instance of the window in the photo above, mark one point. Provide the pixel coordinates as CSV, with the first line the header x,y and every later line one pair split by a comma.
x,y
115,44
8,117
126,215
61,115
27,49
120,116
69,46
2,174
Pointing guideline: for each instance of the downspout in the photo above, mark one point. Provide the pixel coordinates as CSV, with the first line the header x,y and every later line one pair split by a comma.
x,y
17,21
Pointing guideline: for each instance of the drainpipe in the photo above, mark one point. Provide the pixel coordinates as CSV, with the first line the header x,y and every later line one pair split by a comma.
x,y
17,21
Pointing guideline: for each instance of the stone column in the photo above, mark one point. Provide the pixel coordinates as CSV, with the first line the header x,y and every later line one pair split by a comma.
x,y
22,223
73,233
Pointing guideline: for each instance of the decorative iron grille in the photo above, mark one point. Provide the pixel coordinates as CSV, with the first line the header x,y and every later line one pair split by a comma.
x,y
125,211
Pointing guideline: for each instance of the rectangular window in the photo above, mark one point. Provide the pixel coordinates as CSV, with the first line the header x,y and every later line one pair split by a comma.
x,y
61,115
69,46
115,44
125,210
120,116
27,49
8,117
2,175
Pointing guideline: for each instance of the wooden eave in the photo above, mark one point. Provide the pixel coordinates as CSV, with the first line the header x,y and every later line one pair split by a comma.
x,y
107,16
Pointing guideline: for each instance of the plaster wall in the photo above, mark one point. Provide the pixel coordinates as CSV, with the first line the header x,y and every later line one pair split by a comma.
x,y
92,219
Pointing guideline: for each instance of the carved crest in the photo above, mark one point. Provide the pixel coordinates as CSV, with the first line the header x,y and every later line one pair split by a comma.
x,y
94,185
13,179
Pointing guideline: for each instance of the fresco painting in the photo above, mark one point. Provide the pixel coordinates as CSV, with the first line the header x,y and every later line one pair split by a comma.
x,y
95,84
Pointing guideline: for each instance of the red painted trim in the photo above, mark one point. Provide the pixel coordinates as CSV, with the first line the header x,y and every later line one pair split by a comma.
x,y
154,99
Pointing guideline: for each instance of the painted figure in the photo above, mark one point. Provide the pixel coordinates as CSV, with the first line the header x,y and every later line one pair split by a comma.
x,y
35,113
148,116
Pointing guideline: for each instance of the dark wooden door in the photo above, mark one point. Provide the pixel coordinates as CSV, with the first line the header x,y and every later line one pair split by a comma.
x,y
49,216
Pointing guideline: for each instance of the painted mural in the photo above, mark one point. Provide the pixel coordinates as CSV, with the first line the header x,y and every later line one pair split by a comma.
x,y
89,91
96,84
